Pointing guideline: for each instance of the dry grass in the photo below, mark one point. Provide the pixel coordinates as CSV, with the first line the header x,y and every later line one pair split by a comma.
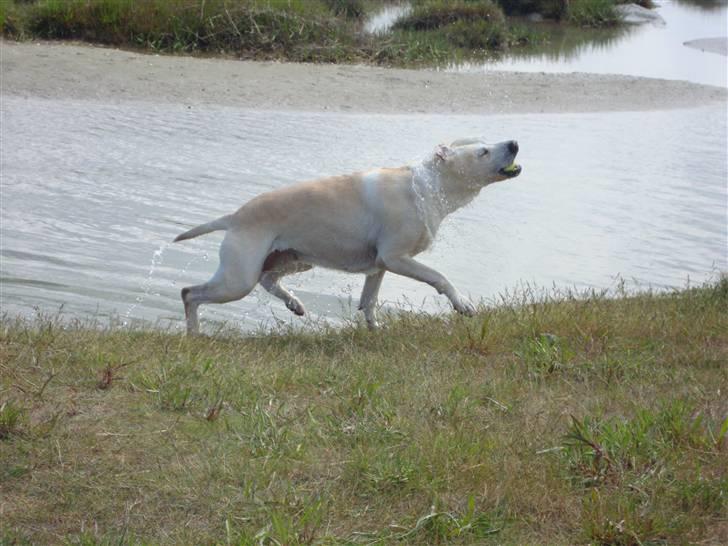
x,y
560,421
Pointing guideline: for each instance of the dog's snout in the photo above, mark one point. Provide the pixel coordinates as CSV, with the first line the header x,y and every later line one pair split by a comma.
x,y
513,147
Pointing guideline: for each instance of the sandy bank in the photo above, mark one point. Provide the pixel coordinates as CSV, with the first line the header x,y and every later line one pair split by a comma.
x,y
60,70
713,45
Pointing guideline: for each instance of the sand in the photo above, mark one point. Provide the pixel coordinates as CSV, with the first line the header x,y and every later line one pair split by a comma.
x,y
84,72
713,45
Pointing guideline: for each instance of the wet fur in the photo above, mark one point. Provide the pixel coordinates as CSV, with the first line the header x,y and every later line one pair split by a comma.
x,y
367,223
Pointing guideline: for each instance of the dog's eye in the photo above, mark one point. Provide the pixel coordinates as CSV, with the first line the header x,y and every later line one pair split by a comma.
x,y
483,152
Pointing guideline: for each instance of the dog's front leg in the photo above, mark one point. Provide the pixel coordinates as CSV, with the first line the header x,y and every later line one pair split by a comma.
x,y
408,267
193,323
368,300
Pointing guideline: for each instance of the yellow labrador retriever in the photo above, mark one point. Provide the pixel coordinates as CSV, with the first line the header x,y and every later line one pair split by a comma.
x,y
368,223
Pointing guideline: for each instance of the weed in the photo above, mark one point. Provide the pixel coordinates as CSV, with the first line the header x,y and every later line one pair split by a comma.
x,y
544,354
548,8
593,13
304,527
624,465
347,8
432,15
439,527
11,418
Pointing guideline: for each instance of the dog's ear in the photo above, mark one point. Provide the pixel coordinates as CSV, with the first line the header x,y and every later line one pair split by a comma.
x,y
442,152
465,142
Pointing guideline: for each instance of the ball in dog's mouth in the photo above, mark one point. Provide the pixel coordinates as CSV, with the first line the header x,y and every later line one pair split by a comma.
x,y
511,170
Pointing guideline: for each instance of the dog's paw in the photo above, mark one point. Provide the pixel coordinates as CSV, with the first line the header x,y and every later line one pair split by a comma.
x,y
373,324
464,307
296,306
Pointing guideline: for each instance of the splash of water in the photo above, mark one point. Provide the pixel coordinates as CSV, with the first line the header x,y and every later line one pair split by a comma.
x,y
431,202
146,287
383,20
184,269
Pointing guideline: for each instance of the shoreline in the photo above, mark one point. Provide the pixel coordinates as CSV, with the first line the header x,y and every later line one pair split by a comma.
x,y
60,70
718,45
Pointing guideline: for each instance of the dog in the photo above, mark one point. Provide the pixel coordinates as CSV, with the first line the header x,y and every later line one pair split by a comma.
x,y
370,223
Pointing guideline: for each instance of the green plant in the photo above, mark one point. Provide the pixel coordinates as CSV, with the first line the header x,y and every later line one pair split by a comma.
x,y
545,353
476,35
11,417
443,527
437,14
348,8
593,13
547,8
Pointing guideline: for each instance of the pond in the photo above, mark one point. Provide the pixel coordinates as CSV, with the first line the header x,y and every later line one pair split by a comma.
x,y
93,193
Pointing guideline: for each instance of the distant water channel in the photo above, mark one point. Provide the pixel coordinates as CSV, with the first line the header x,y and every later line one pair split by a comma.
x,y
93,193
650,50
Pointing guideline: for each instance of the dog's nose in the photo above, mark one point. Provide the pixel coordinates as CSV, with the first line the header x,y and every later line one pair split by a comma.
x,y
513,147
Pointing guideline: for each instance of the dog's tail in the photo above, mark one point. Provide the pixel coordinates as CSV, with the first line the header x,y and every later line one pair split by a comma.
x,y
216,225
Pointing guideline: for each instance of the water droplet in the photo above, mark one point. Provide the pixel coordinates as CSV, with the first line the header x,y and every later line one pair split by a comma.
x,y
146,287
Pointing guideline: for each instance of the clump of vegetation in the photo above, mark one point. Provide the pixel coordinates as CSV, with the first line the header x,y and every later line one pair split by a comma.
x,y
297,30
465,25
595,13
601,11
10,419
547,8
621,462
437,14
649,4
347,8
558,419
437,31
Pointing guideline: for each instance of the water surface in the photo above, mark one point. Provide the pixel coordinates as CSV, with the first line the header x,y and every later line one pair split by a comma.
x,y
649,50
92,194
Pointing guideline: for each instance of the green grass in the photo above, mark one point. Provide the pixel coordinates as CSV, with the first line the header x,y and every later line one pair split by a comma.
x,y
437,14
459,25
436,32
594,13
548,8
298,30
550,420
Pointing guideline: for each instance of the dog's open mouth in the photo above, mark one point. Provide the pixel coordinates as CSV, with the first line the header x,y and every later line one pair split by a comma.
x,y
511,170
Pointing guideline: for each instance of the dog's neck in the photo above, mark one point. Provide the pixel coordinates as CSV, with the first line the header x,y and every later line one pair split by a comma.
x,y
435,199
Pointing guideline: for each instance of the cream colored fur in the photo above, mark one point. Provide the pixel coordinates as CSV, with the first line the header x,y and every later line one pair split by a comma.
x,y
368,223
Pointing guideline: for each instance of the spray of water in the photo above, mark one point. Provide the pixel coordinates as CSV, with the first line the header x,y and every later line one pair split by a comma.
x,y
182,271
432,205
146,287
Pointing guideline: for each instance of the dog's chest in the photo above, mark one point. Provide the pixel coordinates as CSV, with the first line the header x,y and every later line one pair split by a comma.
x,y
424,242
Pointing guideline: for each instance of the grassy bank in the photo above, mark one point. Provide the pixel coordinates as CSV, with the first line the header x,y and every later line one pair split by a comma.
x,y
564,421
297,30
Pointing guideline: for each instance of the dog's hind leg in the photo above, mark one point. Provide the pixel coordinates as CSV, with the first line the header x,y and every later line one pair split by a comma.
x,y
271,282
277,265
368,299
241,261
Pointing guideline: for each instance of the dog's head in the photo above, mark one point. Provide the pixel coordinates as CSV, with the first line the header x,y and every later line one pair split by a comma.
x,y
476,163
